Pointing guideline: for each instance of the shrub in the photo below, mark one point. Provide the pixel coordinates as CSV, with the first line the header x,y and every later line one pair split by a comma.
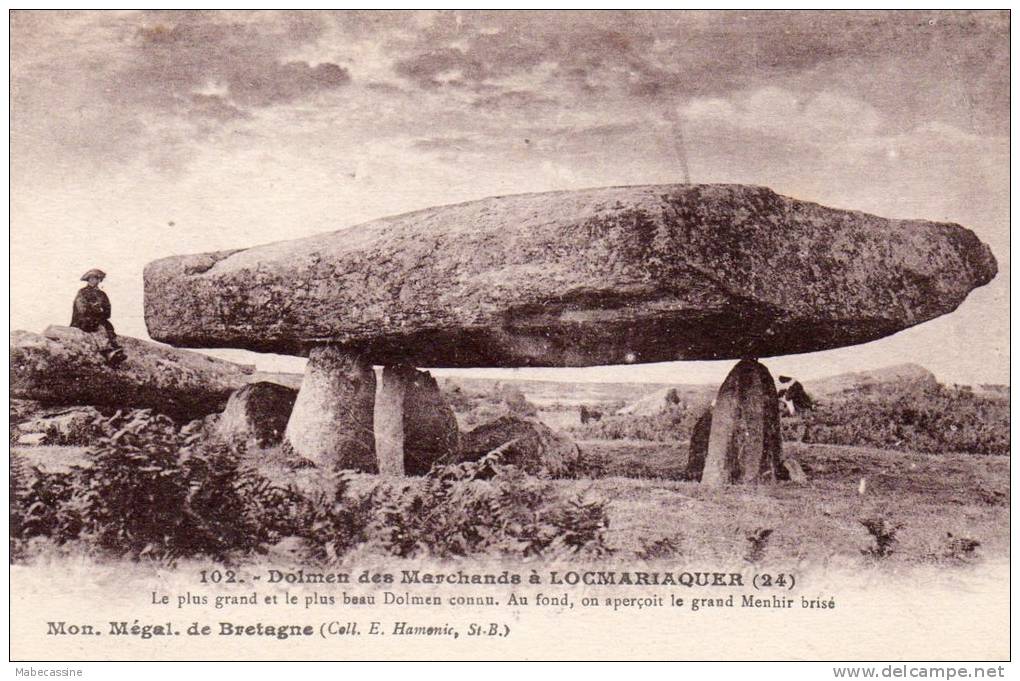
x,y
134,498
884,534
17,483
955,549
232,508
757,543
488,507
674,423
333,524
42,505
929,418
666,547
153,491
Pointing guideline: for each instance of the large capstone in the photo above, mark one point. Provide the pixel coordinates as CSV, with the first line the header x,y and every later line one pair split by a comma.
x,y
414,426
331,423
64,366
578,278
256,415
744,443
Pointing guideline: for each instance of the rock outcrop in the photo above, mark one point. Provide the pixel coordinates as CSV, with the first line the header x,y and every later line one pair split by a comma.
x,y
516,402
744,444
414,426
526,443
794,472
579,278
331,424
660,401
62,366
905,375
60,426
256,415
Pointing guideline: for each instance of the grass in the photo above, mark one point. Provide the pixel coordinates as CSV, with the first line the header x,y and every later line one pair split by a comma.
x,y
937,499
932,496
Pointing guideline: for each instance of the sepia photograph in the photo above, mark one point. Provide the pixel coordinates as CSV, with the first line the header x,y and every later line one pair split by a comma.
x,y
510,335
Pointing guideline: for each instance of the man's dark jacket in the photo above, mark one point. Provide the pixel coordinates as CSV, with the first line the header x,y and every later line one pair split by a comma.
x,y
91,309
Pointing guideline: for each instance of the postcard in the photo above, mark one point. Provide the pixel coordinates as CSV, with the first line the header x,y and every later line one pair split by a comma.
x,y
509,335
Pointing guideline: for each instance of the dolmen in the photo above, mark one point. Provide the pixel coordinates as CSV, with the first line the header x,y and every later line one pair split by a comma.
x,y
616,275
62,366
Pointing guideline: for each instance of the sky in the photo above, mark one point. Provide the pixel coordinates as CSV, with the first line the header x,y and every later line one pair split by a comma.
x,y
138,135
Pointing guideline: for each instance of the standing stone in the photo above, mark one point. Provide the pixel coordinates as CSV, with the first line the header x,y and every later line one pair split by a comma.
x,y
414,426
698,450
744,444
389,419
331,423
257,414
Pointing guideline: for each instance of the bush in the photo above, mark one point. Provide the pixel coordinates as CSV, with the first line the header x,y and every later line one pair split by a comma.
x,y
333,524
664,547
153,491
954,549
757,542
930,418
884,534
488,507
42,505
675,423
907,416
482,406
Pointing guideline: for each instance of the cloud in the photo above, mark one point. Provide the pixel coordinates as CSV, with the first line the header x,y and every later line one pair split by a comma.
x,y
171,61
101,87
513,100
446,144
809,118
660,57
215,107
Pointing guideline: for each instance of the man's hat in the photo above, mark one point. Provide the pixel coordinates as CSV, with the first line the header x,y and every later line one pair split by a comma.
x,y
93,273
785,379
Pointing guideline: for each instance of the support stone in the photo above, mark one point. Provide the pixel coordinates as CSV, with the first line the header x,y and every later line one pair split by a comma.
x,y
744,444
331,423
389,418
414,426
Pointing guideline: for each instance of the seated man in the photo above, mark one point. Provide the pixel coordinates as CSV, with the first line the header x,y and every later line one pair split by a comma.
x,y
92,312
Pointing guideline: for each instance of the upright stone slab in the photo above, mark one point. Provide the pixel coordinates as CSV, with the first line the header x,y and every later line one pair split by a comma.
x,y
698,450
744,443
414,426
389,418
331,423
